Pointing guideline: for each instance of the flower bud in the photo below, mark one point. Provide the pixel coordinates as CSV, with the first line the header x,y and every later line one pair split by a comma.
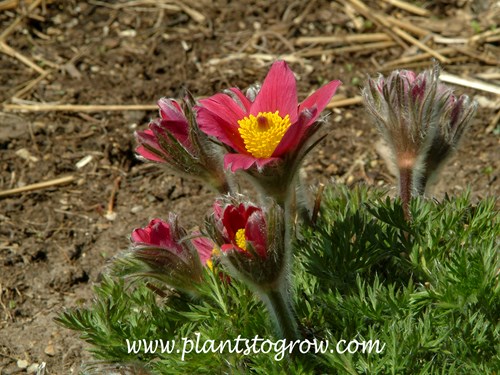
x,y
422,122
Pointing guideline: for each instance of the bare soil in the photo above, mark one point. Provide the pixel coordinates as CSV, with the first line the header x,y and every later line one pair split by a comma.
x,y
56,242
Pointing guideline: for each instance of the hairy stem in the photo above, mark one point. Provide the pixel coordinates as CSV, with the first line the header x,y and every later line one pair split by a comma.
x,y
405,190
279,304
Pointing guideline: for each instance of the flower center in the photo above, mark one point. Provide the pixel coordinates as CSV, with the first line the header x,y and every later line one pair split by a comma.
x,y
240,239
262,134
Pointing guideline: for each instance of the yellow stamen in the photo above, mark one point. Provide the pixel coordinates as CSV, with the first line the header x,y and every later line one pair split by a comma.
x,y
241,241
262,134
216,253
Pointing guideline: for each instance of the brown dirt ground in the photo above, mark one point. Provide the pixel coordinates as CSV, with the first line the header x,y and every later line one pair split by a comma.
x,y
55,242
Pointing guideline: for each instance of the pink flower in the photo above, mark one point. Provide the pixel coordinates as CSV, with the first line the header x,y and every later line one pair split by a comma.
x,y
164,251
174,139
166,237
171,121
268,128
243,229
251,239
254,250
206,249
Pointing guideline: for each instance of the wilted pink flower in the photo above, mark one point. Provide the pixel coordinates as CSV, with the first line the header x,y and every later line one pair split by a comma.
x,y
270,127
174,139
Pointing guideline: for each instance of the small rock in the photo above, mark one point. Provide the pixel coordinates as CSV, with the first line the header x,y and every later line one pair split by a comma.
x,y
111,216
26,155
50,350
33,368
130,33
11,369
136,209
22,363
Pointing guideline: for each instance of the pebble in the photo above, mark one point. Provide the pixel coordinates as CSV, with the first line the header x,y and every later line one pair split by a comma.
x,y
50,350
22,363
33,368
136,209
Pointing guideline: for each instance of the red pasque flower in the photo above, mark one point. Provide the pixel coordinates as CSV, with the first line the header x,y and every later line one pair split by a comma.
x,y
265,129
163,250
252,241
167,237
243,229
175,139
172,120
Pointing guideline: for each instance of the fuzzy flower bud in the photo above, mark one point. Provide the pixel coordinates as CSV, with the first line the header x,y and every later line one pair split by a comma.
x,y
456,118
422,122
174,139
163,251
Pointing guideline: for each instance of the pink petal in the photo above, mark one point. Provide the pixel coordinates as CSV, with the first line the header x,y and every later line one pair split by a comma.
x,y
143,235
233,220
238,161
212,124
148,138
161,234
228,247
217,207
295,133
145,153
410,75
171,110
256,232
140,235
290,140
278,93
319,99
245,161
204,246
179,129
243,99
224,107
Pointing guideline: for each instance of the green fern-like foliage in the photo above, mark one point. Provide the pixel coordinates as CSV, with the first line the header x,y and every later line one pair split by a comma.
x,y
427,290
